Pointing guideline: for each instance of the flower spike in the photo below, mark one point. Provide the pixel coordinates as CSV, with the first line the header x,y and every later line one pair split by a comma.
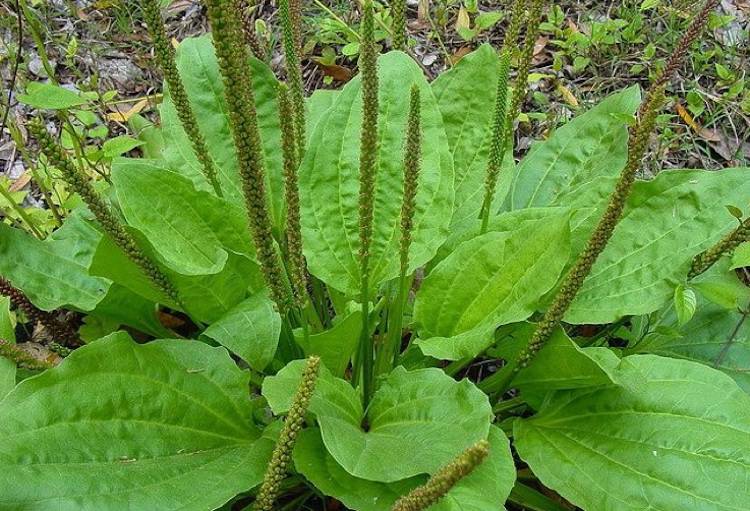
x,y
603,232
282,453
165,57
233,56
446,478
80,183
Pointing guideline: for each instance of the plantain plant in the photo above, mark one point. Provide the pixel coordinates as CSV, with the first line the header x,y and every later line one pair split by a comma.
x,y
370,301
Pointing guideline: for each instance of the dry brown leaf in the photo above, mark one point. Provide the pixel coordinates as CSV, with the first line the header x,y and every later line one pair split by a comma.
x,y
125,116
567,95
340,73
717,142
19,183
458,55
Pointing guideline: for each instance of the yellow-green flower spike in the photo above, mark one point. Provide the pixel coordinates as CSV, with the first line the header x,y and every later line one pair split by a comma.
x,y
527,55
297,266
398,12
248,30
282,454
164,53
290,23
21,358
702,262
502,122
440,484
603,232
367,170
81,184
412,161
233,58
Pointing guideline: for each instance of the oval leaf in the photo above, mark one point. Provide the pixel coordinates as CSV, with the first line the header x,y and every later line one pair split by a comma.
x,y
329,181
682,441
163,426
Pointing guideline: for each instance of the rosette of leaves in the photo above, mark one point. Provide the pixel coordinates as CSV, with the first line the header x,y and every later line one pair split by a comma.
x,y
659,419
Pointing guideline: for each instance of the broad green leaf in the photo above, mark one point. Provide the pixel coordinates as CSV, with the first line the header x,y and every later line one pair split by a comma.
x,y
721,285
251,330
317,104
584,156
741,256
417,420
53,273
119,145
329,181
336,345
684,303
681,442
561,365
485,488
715,336
162,426
199,70
7,334
466,98
504,222
206,297
191,230
667,222
49,96
124,307
491,280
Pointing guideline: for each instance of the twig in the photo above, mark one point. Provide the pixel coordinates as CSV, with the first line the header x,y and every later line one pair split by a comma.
x,y
14,74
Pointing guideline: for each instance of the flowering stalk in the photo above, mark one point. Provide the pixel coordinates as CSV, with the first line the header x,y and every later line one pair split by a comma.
x,y
21,358
293,229
238,88
398,11
282,453
440,484
412,157
702,262
80,183
60,331
607,223
502,122
291,21
367,172
164,53
248,29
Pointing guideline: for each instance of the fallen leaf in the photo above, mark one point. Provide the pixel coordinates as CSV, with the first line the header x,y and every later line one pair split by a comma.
x,y
340,73
539,47
462,20
170,321
458,55
567,95
19,183
125,116
714,138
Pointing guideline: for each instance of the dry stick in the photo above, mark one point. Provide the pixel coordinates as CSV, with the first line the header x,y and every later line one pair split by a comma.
x,y
165,56
603,231
59,330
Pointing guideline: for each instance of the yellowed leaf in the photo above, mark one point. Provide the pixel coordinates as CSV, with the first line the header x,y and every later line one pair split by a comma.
x,y
567,95
463,21
125,116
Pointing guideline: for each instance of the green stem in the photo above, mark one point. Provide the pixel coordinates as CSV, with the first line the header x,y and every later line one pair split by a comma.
x,y
21,213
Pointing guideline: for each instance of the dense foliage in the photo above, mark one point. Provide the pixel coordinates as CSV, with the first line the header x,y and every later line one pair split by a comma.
x,y
391,409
